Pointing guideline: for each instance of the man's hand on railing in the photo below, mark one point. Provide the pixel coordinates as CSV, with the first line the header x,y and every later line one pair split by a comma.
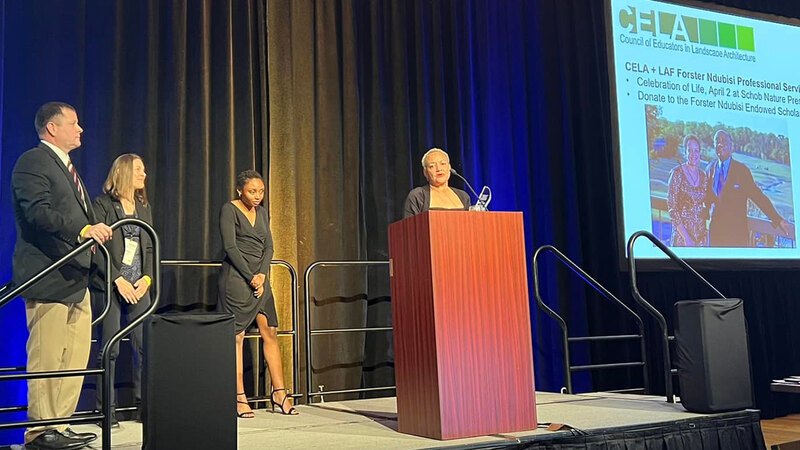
x,y
100,232
126,290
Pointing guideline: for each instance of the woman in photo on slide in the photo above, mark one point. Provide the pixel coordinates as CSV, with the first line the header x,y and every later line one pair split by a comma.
x,y
685,198
244,289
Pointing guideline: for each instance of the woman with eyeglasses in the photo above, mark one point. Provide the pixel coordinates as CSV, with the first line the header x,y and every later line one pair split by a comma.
x,y
437,194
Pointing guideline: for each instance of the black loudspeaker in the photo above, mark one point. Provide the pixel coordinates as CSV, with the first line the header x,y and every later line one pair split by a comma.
x,y
189,382
712,355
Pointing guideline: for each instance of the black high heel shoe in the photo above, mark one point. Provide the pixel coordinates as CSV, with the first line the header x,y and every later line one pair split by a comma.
x,y
247,414
290,412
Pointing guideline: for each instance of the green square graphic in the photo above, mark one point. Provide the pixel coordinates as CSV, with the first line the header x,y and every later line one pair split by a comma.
x,y
744,35
708,32
727,35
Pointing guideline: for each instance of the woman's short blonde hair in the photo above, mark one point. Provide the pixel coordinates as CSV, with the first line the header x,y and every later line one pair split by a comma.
x,y
431,151
119,182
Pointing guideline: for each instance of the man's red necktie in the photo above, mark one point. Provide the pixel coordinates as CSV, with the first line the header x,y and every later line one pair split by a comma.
x,y
77,182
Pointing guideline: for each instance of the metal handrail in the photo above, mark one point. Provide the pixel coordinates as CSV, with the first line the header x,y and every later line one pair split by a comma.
x,y
294,299
310,332
102,372
108,290
11,295
566,340
63,373
662,323
156,289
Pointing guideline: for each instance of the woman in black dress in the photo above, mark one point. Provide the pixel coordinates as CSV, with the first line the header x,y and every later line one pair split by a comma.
x,y
244,289
125,196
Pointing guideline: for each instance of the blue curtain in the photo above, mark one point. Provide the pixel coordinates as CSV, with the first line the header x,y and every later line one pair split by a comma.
x,y
145,77
12,345
489,82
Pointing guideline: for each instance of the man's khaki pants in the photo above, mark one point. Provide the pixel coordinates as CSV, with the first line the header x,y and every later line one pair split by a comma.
x,y
60,338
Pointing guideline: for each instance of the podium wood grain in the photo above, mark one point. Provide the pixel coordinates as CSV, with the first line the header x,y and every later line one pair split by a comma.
x,y
461,319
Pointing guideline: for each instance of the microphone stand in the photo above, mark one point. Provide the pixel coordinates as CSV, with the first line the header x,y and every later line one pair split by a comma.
x,y
479,205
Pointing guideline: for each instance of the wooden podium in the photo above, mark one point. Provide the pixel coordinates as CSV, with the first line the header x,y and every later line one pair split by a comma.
x,y
462,333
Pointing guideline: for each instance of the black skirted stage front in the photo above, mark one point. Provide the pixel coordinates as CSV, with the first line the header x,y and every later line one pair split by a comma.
x,y
593,421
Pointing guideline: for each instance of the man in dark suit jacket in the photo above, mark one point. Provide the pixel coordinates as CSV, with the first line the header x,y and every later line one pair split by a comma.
x,y
730,184
54,214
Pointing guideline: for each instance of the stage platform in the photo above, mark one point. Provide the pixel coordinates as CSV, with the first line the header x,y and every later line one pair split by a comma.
x,y
595,418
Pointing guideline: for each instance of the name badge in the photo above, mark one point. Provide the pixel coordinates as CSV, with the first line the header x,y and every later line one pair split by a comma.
x,y
131,247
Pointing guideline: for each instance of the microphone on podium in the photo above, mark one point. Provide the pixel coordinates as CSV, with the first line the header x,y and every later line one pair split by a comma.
x,y
483,199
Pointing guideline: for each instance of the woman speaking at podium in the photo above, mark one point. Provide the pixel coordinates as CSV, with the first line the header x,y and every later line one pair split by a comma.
x,y
436,195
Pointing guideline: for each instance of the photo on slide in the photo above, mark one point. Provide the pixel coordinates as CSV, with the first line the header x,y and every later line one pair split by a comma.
x,y
696,201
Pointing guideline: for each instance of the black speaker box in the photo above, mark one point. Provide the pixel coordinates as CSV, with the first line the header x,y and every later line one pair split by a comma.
x,y
712,355
189,382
